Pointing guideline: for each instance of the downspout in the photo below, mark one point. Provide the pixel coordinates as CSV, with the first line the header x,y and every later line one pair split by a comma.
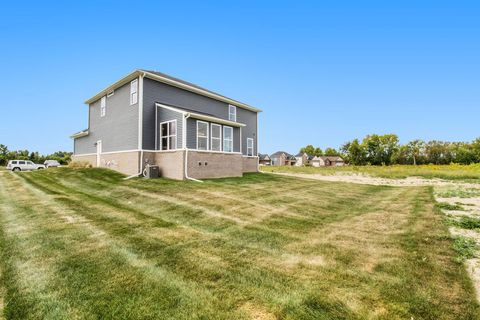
x,y
185,166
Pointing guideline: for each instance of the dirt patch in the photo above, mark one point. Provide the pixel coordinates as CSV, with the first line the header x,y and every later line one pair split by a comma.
x,y
364,179
257,312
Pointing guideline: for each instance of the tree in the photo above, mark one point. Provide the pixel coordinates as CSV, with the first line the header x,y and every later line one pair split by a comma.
x,y
380,149
308,149
318,152
415,148
331,152
354,152
3,155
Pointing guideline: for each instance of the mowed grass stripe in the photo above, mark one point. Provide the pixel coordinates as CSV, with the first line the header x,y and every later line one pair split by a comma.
x,y
316,267
168,292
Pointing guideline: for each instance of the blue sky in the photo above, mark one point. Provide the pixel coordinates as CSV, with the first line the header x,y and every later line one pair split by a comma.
x,y
324,72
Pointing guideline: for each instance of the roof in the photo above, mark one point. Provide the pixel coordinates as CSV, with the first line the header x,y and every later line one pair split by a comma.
x,y
200,115
278,153
80,134
162,77
331,158
263,156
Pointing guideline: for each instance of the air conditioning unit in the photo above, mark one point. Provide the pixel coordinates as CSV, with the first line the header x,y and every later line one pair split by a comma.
x,y
151,172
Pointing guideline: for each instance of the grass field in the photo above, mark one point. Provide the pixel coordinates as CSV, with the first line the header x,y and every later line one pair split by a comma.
x,y
85,244
469,173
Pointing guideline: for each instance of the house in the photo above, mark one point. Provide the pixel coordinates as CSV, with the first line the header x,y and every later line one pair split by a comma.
x,y
328,161
264,159
148,117
303,159
282,158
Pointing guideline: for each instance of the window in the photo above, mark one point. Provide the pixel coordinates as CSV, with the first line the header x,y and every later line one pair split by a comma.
x,y
227,139
21,162
232,113
249,147
168,135
216,143
134,91
103,106
202,135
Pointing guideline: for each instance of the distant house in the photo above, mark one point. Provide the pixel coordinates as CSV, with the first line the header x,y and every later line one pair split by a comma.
x,y
264,159
327,161
282,158
303,159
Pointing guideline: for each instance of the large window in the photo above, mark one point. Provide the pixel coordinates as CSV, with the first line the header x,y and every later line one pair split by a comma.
x,y
202,135
232,113
134,91
216,135
168,135
227,139
103,106
249,147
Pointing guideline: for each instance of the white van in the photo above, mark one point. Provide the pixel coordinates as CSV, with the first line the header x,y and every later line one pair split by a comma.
x,y
23,165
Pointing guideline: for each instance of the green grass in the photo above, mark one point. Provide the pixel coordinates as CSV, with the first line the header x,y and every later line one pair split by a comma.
x,y
466,222
449,206
86,244
468,173
465,248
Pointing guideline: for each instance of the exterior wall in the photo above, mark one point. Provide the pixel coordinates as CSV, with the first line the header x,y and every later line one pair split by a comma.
x,y
124,162
204,165
118,129
192,135
154,91
168,115
250,164
92,159
171,163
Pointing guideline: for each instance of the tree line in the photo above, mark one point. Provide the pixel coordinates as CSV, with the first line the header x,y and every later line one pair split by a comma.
x,y
62,157
386,149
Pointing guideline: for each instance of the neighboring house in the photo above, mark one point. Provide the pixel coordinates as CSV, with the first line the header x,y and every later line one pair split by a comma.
x,y
327,161
282,158
264,159
303,159
149,117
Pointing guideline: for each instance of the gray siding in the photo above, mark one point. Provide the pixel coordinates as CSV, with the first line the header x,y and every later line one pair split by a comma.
x,y
192,135
118,129
154,91
168,115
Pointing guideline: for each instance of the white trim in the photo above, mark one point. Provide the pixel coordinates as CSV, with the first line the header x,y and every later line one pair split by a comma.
x,y
160,151
99,152
208,135
211,151
234,113
156,128
184,131
223,142
168,136
140,112
241,151
202,116
84,154
251,157
80,134
110,93
211,136
253,147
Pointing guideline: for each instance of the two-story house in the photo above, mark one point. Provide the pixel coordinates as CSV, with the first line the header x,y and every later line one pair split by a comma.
x,y
148,117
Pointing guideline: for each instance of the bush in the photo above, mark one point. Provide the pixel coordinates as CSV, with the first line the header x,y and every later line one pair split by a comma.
x,y
79,164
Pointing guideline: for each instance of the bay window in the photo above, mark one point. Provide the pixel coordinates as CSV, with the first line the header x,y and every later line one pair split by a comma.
x,y
216,137
168,135
202,135
227,139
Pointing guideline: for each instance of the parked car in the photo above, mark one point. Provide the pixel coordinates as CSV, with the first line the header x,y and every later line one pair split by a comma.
x,y
51,163
23,165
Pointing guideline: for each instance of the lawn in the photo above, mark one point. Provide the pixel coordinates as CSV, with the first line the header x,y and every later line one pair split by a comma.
x,y
468,173
86,244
